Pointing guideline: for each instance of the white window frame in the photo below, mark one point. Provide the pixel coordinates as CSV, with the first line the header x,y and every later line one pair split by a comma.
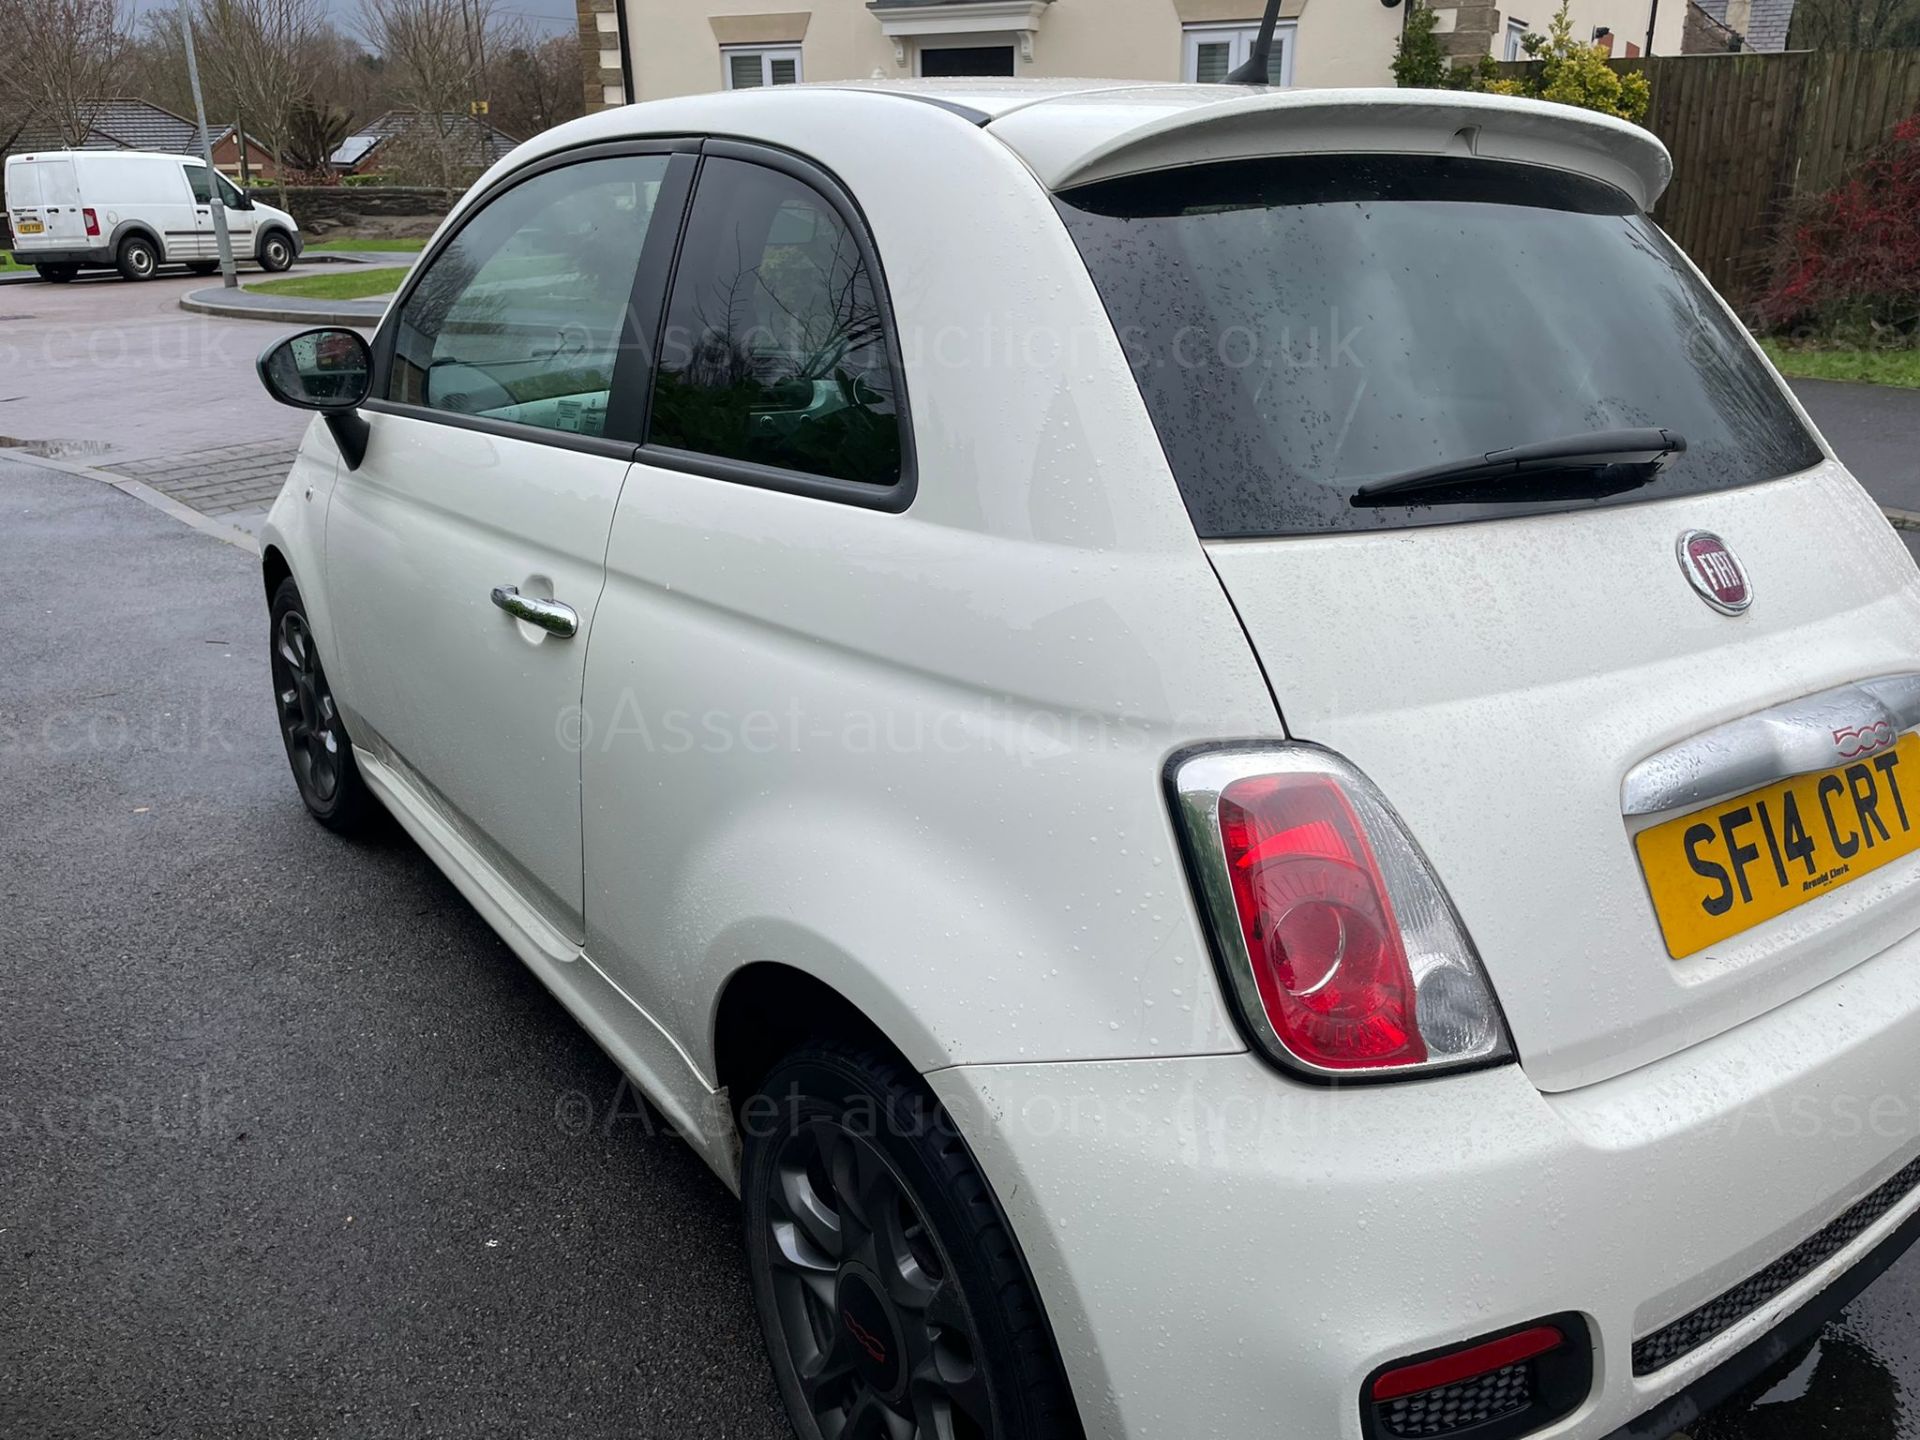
x,y
768,54
1241,37
1512,49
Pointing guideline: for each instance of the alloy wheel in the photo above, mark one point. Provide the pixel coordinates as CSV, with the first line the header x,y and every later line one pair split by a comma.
x,y
875,1325
308,720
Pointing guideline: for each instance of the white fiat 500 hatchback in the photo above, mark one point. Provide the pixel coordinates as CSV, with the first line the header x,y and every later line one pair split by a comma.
x,y
1230,749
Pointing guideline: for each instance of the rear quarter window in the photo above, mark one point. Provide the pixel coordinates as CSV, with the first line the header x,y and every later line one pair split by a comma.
x,y
1303,326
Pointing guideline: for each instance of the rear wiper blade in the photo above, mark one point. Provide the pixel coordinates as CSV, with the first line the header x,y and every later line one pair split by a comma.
x,y
1598,450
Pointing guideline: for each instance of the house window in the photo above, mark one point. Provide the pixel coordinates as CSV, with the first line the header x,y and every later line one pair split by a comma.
x,y
751,69
1516,36
941,61
1215,51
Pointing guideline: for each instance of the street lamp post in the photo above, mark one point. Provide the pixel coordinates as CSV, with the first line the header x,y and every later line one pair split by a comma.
x,y
214,203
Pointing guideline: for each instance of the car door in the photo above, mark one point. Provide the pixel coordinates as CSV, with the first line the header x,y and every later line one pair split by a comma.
x,y
240,218
465,554
189,231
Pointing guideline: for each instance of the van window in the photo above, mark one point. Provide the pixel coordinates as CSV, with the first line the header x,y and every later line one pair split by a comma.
x,y
519,317
202,184
23,184
775,350
1304,325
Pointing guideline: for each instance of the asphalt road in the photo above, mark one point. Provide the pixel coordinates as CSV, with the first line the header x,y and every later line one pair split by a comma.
x,y
290,1144
1876,430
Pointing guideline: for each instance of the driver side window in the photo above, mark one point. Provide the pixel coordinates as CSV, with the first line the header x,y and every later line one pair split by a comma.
x,y
200,182
519,318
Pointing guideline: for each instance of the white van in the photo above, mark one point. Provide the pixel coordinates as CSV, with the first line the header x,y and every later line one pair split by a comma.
x,y
132,211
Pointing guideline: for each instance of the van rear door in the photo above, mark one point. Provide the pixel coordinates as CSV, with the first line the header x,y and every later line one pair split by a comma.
x,y
43,203
1324,342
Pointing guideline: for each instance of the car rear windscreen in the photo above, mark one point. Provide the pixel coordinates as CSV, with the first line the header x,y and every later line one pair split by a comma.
x,y
1302,326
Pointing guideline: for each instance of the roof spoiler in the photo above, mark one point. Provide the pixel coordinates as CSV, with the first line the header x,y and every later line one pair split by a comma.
x,y
1102,135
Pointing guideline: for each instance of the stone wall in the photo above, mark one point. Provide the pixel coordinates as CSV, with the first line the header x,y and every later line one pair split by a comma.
x,y
392,209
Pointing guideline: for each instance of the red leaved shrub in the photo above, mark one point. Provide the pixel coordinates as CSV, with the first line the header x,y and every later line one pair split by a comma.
x,y
1850,258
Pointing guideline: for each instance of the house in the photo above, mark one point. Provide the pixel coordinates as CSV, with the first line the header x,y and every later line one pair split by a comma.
x,y
1717,26
646,49
468,141
141,125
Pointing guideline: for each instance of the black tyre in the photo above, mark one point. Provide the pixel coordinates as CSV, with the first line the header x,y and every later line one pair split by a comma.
x,y
202,267
58,274
276,252
317,745
137,259
893,1299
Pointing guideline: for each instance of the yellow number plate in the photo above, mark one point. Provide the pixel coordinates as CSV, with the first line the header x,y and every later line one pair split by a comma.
x,y
1721,870
31,227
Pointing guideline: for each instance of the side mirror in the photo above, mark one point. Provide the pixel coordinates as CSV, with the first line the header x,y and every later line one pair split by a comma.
x,y
327,370
318,370
245,202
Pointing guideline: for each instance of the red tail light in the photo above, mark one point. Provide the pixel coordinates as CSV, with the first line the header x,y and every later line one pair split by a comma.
x,y
1318,923
1334,936
93,222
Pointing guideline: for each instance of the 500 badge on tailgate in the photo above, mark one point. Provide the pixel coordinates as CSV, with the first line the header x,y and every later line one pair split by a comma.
x,y
1726,868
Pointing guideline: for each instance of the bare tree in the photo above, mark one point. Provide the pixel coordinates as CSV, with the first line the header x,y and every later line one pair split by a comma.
x,y
536,83
432,51
346,75
1855,24
157,66
62,56
254,52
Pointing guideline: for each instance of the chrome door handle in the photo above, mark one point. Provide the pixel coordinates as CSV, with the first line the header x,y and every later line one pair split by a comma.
x,y
550,615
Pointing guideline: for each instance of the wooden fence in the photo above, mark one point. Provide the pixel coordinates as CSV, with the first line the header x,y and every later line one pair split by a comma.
x,y
1749,132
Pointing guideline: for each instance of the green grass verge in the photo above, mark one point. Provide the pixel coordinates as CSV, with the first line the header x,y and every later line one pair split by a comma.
x,y
1874,367
412,247
7,262
355,284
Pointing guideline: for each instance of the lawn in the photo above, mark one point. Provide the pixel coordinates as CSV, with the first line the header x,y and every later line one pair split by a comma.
x,y
355,284
1876,367
7,262
410,246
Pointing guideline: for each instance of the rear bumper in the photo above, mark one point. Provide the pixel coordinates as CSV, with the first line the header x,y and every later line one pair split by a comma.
x,y
95,256
1720,1384
1224,1252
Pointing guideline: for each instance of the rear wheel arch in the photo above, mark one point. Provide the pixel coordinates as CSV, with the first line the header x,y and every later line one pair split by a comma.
x,y
136,229
767,1009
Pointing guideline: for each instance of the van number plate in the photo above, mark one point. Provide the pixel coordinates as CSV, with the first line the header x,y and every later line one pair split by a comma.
x,y
31,227
1726,868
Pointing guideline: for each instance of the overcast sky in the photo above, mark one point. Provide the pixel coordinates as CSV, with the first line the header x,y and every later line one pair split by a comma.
x,y
550,17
